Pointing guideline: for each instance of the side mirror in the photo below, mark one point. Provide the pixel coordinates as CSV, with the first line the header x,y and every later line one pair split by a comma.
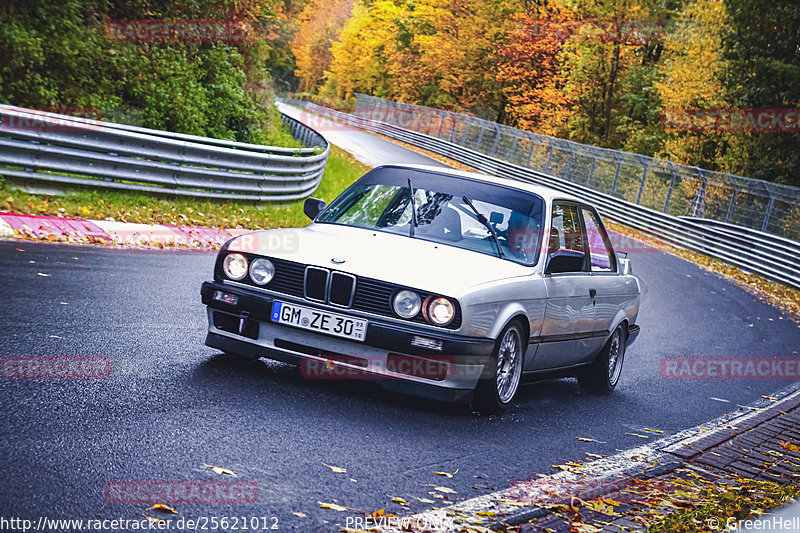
x,y
312,207
562,261
624,263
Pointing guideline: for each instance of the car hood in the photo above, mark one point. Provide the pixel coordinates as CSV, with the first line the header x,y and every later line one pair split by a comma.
x,y
393,258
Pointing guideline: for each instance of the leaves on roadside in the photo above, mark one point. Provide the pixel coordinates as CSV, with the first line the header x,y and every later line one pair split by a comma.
x,y
789,446
300,514
638,435
653,430
447,474
423,500
336,469
401,501
220,470
584,439
332,506
161,508
156,520
445,490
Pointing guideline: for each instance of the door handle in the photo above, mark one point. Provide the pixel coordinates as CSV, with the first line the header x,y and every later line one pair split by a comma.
x,y
592,293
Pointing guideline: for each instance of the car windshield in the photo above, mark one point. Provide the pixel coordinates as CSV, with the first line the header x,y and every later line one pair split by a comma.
x,y
381,200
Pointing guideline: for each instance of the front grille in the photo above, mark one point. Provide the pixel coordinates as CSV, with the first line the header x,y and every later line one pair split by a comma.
x,y
342,288
370,295
316,283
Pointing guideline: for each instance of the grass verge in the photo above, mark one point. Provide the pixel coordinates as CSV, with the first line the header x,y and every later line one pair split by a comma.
x,y
98,204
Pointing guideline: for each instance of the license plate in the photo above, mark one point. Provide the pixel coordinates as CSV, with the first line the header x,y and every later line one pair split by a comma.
x,y
316,320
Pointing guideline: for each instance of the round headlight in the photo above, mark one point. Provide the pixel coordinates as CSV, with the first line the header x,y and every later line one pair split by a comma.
x,y
441,311
235,266
262,271
407,304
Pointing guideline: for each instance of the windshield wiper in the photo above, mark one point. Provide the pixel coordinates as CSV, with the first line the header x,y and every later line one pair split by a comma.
x,y
482,220
413,210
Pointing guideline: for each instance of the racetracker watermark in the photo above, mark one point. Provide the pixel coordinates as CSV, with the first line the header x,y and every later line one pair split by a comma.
x,y
393,366
626,31
180,31
55,367
266,243
51,119
181,492
730,368
781,120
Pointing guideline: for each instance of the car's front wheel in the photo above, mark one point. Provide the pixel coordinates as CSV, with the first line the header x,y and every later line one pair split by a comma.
x,y
602,376
499,384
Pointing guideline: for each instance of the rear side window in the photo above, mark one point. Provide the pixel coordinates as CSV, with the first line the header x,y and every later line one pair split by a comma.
x,y
600,256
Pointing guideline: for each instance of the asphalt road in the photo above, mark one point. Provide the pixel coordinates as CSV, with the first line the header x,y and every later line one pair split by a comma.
x,y
171,404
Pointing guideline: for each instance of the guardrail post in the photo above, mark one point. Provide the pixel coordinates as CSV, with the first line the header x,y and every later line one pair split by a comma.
x,y
479,141
729,214
765,224
513,149
616,176
641,187
496,141
530,154
591,171
549,157
568,173
671,184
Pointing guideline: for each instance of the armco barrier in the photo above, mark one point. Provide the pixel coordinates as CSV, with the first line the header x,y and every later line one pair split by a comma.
x,y
62,149
771,256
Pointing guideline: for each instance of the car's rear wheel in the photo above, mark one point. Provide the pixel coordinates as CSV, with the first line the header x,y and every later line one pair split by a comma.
x,y
602,376
500,382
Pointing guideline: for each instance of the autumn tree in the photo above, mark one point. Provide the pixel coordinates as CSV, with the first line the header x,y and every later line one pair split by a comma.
x,y
690,79
317,27
761,48
531,70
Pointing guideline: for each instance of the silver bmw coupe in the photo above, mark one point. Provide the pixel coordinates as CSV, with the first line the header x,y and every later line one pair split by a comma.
x,y
432,281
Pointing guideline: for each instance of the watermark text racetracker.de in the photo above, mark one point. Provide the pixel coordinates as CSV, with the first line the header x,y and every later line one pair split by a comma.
x,y
54,367
730,368
143,523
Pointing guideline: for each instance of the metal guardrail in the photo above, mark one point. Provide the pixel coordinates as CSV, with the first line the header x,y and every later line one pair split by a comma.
x,y
62,149
656,183
771,256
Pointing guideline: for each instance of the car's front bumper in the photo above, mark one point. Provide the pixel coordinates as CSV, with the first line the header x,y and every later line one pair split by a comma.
x,y
386,355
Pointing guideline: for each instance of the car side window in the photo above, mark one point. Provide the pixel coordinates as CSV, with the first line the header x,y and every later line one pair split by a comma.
x,y
600,256
565,229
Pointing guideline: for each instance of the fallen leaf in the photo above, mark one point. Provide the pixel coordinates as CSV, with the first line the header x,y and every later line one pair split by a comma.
x,y
43,275
336,469
584,439
156,520
332,506
423,500
300,514
162,508
401,501
638,435
653,430
445,490
446,474
789,446
220,470
436,494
